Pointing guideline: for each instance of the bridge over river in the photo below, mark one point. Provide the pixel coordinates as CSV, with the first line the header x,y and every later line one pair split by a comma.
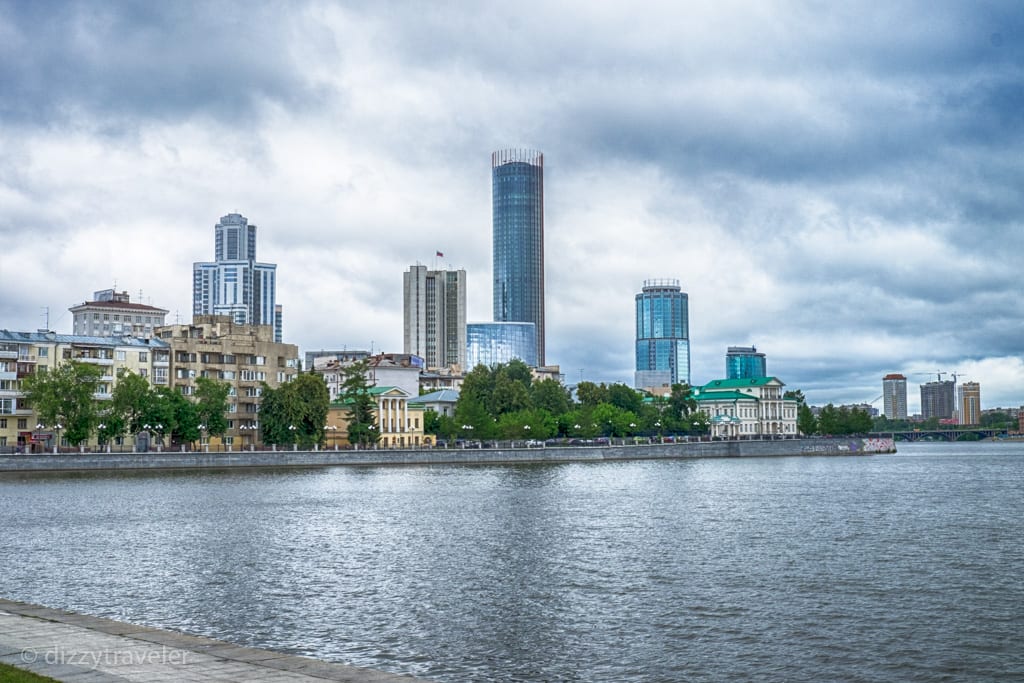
x,y
947,434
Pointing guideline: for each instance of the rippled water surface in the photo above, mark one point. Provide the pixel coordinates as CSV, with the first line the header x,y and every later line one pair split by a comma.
x,y
899,567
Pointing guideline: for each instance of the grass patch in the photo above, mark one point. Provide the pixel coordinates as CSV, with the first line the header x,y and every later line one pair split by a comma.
x,y
11,674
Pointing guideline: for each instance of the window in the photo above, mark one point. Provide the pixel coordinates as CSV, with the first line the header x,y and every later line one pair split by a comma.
x,y
22,423
160,375
232,407
228,358
6,406
143,372
120,355
3,423
116,317
227,374
42,351
229,440
259,360
143,356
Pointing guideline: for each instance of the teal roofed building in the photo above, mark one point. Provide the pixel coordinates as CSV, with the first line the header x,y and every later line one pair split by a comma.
x,y
750,408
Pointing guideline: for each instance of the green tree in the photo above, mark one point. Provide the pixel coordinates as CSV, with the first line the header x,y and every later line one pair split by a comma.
x,y
527,424
184,425
296,412
550,395
309,392
509,396
65,396
829,421
129,402
360,405
212,404
625,398
806,423
680,406
473,420
592,395
795,395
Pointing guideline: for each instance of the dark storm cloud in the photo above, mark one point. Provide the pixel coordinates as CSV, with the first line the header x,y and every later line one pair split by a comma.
x,y
67,61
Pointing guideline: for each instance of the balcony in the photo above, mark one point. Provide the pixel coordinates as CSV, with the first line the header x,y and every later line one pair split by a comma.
x,y
95,361
9,354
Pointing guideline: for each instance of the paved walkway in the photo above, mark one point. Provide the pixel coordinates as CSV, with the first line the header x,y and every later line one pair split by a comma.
x,y
82,649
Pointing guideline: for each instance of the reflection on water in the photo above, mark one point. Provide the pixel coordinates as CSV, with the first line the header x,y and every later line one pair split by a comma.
x,y
897,567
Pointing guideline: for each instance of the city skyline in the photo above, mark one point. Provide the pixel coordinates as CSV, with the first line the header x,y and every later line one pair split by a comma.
x,y
834,192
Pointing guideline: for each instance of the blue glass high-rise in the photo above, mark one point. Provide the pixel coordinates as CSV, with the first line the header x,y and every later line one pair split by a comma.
x,y
662,335
490,344
745,362
517,178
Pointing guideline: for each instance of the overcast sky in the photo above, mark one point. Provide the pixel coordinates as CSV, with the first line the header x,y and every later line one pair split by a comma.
x,y
841,187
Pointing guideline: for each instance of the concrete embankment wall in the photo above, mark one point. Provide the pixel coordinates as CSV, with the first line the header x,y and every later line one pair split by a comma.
x,y
177,460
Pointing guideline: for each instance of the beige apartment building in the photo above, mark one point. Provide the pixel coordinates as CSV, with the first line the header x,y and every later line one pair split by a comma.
x,y
243,356
24,353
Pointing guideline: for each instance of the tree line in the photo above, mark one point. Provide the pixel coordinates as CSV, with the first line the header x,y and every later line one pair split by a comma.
x,y
505,402
66,396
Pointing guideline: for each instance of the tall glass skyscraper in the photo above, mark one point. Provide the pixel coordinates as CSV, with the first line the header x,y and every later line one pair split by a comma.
x,y
517,178
744,362
662,335
235,284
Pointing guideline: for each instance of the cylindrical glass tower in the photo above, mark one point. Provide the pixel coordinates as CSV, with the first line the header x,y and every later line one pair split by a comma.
x,y
662,335
517,178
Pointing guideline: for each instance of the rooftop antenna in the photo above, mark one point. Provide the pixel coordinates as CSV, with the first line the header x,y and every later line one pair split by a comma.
x,y
46,315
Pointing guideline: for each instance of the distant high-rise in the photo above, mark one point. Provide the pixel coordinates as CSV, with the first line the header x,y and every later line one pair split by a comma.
x,y
969,403
517,193
894,396
937,400
435,315
234,283
662,335
744,362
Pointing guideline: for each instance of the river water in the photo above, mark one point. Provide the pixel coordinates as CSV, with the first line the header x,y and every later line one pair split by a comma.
x,y
904,567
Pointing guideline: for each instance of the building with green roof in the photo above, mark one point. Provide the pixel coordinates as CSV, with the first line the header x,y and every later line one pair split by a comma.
x,y
751,407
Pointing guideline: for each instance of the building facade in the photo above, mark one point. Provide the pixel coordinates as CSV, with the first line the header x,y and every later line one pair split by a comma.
x,y
500,342
243,356
894,396
745,362
938,400
969,403
662,335
435,316
25,353
235,284
747,408
517,192
112,314
399,421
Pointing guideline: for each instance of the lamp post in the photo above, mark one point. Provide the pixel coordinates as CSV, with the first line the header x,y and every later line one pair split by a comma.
x,y
658,425
159,428
202,439
292,428
56,446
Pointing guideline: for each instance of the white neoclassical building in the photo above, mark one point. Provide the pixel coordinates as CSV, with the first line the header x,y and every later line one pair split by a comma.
x,y
750,407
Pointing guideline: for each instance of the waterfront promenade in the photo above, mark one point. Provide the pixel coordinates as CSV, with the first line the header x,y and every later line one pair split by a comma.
x,y
82,649
440,456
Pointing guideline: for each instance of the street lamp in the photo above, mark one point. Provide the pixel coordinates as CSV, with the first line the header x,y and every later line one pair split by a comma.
x,y
202,437
57,427
292,428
